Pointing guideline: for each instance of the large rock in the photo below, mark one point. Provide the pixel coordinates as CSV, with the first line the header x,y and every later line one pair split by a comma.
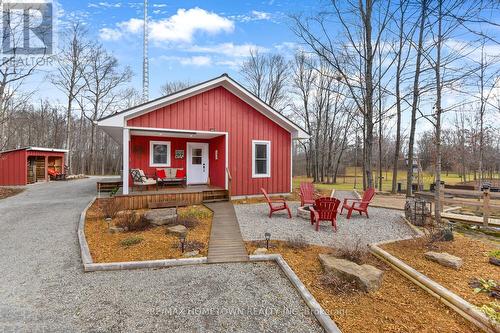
x,y
178,230
368,278
260,250
161,216
191,254
444,259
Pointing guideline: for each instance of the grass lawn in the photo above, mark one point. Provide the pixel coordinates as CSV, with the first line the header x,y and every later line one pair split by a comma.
x,y
347,182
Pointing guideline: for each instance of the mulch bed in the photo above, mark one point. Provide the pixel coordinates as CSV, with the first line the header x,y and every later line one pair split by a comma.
x,y
398,306
475,263
6,192
155,243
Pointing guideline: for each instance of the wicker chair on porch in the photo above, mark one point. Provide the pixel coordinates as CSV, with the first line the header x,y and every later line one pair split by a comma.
x,y
140,179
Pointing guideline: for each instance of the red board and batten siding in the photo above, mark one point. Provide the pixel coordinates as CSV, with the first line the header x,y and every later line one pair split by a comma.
x,y
13,168
140,155
221,111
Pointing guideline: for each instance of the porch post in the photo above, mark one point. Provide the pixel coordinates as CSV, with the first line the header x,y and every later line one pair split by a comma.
x,y
47,168
125,149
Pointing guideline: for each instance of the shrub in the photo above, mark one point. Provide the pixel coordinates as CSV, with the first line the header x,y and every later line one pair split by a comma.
x,y
193,245
188,221
331,281
494,254
110,208
131,241
195,212
132,221
356,253
297,242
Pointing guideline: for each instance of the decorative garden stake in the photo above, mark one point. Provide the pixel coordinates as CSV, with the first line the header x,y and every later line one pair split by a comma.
x,y
267,235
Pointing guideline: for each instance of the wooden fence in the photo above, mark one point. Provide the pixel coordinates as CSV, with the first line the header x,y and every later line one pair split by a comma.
x,y
455,197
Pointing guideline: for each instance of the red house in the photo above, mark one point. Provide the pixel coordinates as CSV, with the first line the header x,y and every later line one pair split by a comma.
x,y
29,164
213,129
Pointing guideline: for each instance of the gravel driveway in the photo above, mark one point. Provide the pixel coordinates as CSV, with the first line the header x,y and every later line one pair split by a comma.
x,y
383,224
43,288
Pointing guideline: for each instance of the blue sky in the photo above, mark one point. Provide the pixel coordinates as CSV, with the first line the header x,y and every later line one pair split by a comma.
x,y
190,40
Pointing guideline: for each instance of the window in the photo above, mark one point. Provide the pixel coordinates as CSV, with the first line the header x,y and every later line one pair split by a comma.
x,y
159,153
261,159
197,155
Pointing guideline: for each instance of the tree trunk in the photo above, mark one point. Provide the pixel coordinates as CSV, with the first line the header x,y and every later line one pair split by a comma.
x,y
438,206
369,95
416,93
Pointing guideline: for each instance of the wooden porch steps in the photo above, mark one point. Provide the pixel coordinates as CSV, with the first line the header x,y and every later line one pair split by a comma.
x,y
226,243
215,196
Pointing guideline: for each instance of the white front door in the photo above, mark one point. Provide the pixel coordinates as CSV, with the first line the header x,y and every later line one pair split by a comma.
x,y
197,163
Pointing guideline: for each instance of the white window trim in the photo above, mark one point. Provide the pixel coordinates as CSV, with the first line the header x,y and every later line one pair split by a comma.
x,y
268,144
169,146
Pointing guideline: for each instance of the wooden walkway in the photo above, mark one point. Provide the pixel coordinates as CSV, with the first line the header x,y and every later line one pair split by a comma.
x,y
226,243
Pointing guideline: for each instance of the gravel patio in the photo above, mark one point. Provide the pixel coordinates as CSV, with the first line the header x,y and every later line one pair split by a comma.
x,y
383,224
43,287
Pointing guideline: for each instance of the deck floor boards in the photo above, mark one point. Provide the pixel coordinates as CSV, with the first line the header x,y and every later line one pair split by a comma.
x,y
226,243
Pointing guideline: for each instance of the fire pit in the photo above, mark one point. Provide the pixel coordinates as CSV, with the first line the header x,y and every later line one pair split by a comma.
x,y
304,212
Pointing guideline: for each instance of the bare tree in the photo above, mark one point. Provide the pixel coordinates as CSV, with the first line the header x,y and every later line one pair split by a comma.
x,y
416,93
266,77
302,84
486,78
103,78
69,78
13,70
173,86
353,59
402,50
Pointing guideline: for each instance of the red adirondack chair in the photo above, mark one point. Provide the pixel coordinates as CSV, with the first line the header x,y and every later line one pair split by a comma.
x,y
307,194
359,205
325,209
276,204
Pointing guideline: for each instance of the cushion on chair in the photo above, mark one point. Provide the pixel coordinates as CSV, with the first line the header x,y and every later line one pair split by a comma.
x,y
181,173
160,173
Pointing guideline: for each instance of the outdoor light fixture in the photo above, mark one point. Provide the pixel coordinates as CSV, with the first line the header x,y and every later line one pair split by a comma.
x,y
182,239
108,221
267,235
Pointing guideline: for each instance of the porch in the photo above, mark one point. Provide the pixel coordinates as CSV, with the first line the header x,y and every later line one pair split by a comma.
x,y
174,195
199,156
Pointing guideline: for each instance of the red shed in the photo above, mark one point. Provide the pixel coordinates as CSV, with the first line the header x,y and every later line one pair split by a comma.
x,y
29,164
213,129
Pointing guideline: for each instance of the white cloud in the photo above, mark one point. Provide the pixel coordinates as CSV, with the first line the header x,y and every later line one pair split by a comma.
x,y
132,26
228,49
180,27
187,61
197,61
108,34
185,23
105,4
254,15
261,15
